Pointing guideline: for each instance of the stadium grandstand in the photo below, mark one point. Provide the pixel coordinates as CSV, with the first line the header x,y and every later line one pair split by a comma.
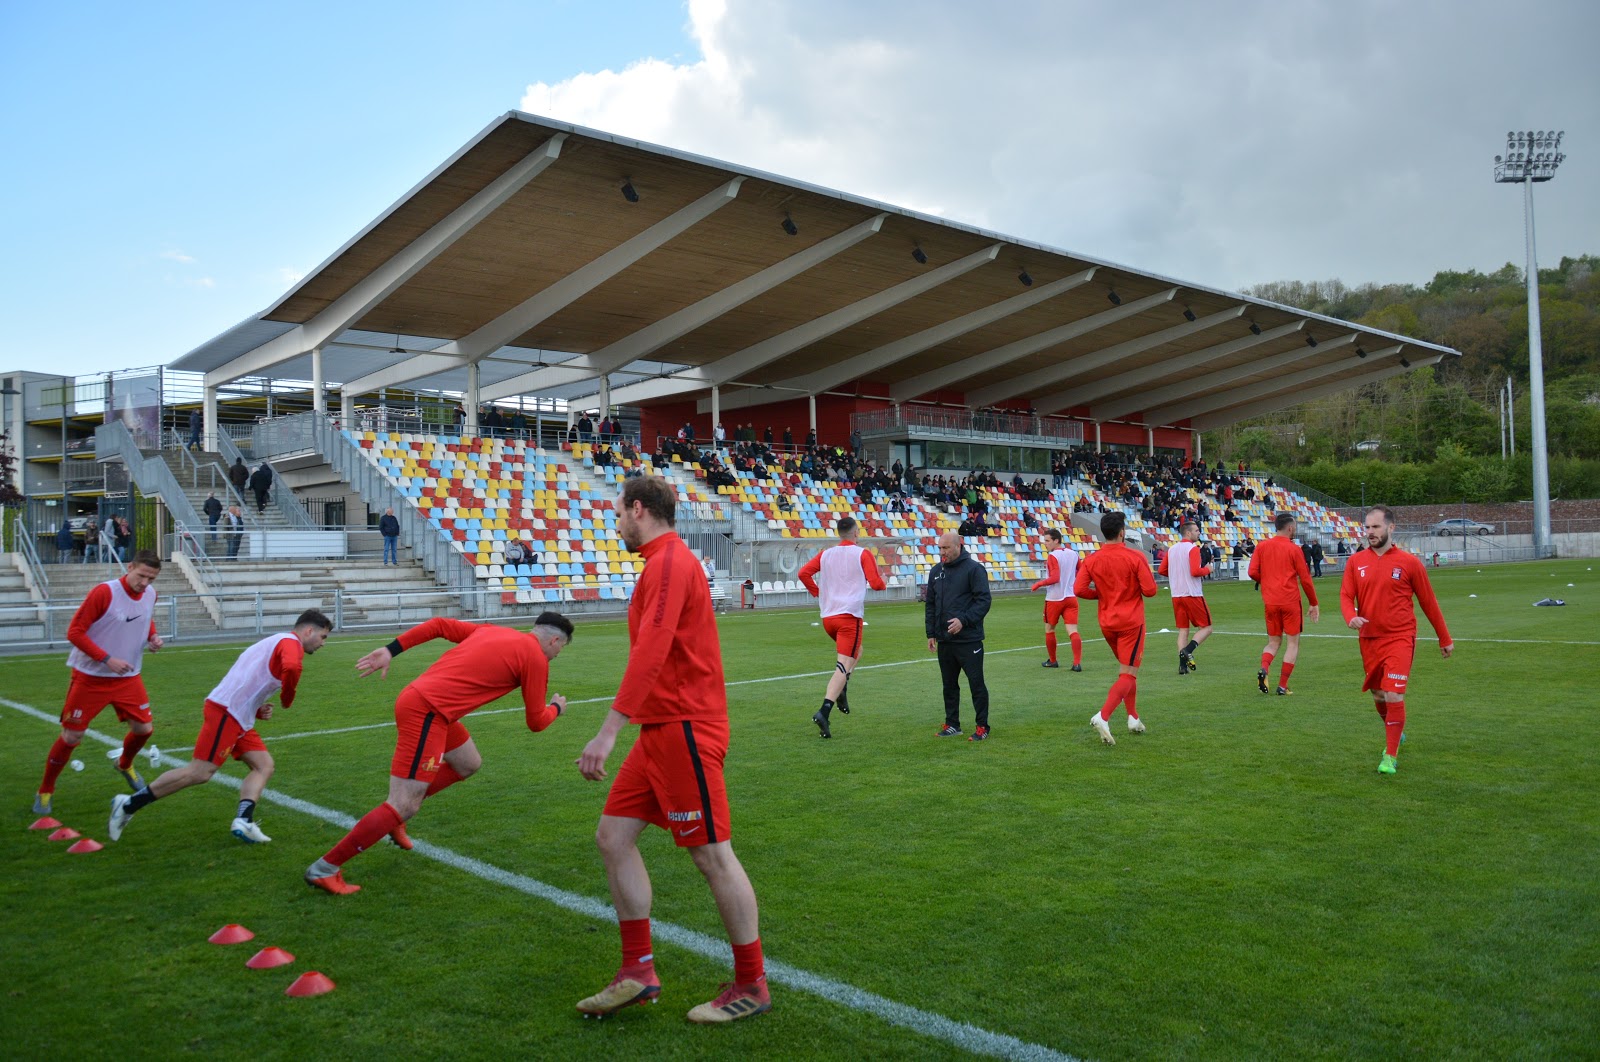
x,y
555,308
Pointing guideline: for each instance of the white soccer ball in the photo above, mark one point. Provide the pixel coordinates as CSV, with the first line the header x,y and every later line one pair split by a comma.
x,y
77,765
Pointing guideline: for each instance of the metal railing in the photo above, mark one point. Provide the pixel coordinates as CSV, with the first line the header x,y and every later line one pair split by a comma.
x,y
151,475
967,423
22,542
186,540
282,498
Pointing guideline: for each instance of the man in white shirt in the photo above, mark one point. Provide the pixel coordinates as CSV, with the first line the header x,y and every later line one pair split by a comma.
x,y
1184,571
1061,568
839,577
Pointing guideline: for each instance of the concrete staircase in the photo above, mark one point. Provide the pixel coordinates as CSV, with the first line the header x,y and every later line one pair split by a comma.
x,y
20,619
212,475
268,595
70,583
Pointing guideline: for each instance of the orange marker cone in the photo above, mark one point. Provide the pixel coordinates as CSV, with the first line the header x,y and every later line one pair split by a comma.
x,y
88,844
46,823
267,958
309,984
231,934
66,833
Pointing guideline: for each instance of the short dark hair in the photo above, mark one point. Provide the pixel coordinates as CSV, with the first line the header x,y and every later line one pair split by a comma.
x,y
846,525
1051,532
313,618
1388,513
1282,520
556,620
659,497
1186,525
1112,525
147,557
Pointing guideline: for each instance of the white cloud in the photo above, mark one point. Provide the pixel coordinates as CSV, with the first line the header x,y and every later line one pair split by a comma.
x,y
199,282
289,275
178,256
1230,145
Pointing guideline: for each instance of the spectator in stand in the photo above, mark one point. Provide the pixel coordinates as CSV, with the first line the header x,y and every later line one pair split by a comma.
x,y
811,438
585,428
91,540
195,425
519,423
389,528
766,436
1344,548
213,511
788,437
517,552
121,536
1316,558
239,476
688,431
65,543
233,523
261,484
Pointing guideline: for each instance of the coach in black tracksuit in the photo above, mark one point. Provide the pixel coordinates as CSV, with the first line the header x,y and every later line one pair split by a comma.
x,y
957,601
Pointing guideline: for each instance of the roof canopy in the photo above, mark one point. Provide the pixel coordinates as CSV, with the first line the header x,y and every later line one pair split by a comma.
x,y
545,258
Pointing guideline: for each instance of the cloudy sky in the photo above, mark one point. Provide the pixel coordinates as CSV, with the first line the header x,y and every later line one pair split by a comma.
x,y
170,171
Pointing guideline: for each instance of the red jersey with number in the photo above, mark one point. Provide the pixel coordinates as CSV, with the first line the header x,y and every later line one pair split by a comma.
x,y
1280,568
1119,578
1380,587
675,655
487,663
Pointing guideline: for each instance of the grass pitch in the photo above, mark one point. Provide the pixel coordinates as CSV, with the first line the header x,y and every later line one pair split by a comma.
x,y
1239,882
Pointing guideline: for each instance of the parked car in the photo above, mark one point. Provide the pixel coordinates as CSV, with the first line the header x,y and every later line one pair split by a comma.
x,y
1460,525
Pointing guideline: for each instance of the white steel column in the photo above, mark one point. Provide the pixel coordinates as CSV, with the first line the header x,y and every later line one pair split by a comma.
x,y
605,396
209,415
1097,436
347,410
319,398
812,400
716,409
1199,447
471,399
1150,441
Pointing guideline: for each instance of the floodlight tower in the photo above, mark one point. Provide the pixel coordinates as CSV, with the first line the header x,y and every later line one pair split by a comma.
x,y
1531,158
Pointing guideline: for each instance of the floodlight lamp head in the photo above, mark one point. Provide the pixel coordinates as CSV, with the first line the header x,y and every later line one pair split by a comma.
x,y
1116,300
629,192
1025,279
1361,352
1255,329
1405,362
919,254
397,348
789,226
1188,314
1311,340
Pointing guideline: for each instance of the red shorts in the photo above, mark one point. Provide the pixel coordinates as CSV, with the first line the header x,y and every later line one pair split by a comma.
x,y
221,736
1127,646
1191,612
423,737
1284,620
673,779
87,695
845,630
1065,610
1388,663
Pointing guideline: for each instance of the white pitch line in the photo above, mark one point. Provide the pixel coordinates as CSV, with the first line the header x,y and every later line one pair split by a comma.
x,y
1424,638
960,1034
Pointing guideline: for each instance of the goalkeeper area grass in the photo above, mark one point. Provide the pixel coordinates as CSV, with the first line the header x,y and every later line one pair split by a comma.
x,y
1237,882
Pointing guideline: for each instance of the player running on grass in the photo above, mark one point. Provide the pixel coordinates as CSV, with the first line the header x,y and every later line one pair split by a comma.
x,y
272,665
839,577
1184,571
1375,597
672,777
1120,579
1279,569
1060,603
109,634
433,751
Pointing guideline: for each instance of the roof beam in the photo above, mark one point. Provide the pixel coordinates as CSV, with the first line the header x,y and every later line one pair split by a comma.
x,y
1221,418
966,368
727,369
1193,406
1135,378
488,338
383,281
675,326
1181,389
1027,383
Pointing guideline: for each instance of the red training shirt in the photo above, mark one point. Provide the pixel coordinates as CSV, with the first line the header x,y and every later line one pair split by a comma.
x,y
1279,565
94,606
487,663
1119,578
285,664
1380,587
675,655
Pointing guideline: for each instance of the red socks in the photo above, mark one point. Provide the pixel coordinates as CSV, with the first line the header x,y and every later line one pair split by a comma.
x,y
637,954
1266,660
1383,709
443,779
1050,644
1077,649
130,748
373,827
54,764
1283,675
1120,689
1133,691
748,965
1394,724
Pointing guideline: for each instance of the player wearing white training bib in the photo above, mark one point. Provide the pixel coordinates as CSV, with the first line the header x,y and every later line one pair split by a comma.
x,y
1061,569
270,666
1184,571
839,577
109,634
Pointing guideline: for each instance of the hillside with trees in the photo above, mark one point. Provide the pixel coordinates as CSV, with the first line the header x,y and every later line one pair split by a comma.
x,y
1435,435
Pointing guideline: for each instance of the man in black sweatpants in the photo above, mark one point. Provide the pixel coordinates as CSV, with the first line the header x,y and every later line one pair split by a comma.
x,y
957,601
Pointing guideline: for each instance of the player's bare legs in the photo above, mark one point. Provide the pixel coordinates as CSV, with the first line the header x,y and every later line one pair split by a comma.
x,y
636,980
736,898
1267,654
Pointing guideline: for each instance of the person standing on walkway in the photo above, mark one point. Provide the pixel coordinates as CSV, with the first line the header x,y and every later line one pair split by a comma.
x,y
235,526
261,483
957,601
213,511
195,425
389,528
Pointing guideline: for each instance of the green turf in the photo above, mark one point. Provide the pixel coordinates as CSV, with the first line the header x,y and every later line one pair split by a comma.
x,y
1240,882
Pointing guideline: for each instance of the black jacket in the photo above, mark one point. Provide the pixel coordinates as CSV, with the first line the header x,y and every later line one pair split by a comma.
x,y
388,526
213,508
261,480
957,591
238,475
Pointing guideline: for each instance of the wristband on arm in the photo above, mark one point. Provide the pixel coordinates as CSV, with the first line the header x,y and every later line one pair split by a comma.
x,y
395,648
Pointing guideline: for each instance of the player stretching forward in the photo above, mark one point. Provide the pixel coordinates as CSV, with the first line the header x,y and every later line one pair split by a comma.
x,y
1375,597
672,777
1120,578
109,634
433,751
1060,603
1279,569
271,665
1183,570
846,571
